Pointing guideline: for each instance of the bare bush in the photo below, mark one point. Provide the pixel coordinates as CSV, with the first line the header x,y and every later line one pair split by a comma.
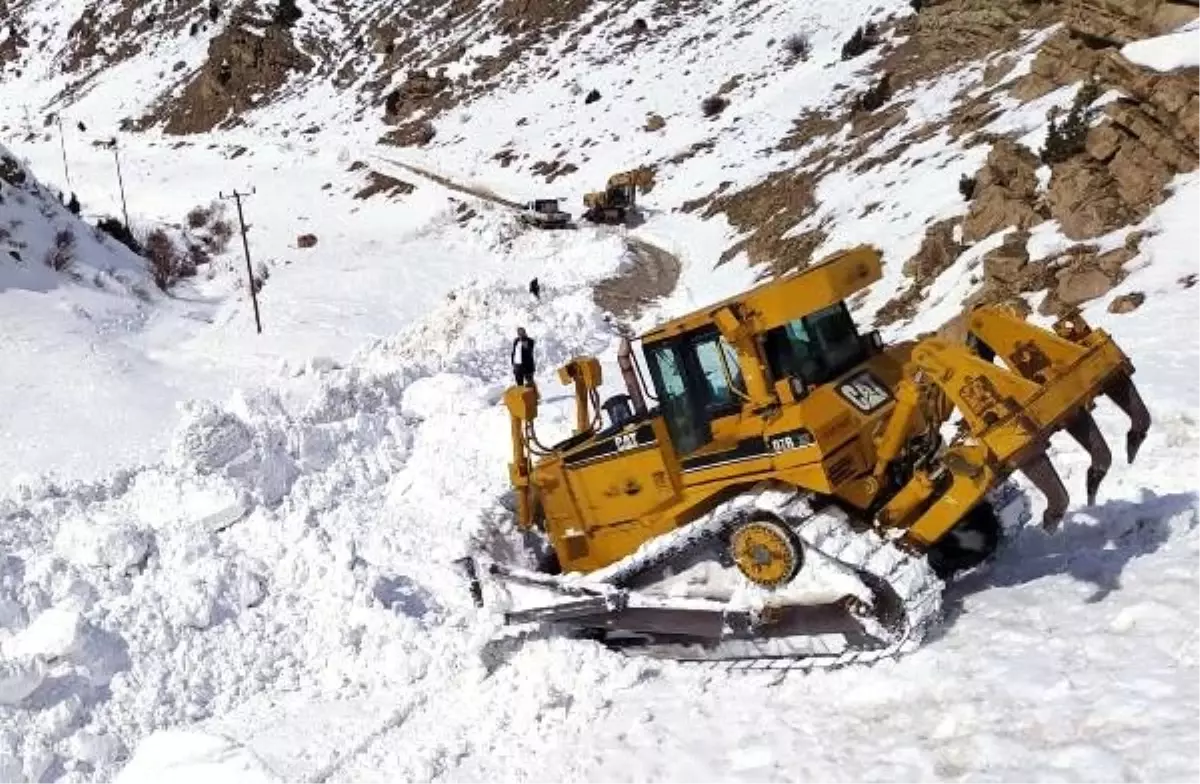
x,y
713,105
168,264
798,46
966,187
863,39
199,217
197,255
876,96
220,232
61,255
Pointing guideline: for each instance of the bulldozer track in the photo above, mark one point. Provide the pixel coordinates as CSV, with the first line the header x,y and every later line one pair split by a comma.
x,y
827,531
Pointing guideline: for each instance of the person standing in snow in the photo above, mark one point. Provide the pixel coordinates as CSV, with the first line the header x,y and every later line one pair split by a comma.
x,y
522,358
535,289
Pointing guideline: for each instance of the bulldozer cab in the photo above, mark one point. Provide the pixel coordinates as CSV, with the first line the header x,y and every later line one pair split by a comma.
x,y
700,381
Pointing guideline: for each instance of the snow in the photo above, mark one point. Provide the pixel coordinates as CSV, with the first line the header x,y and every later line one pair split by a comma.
x,y
1171,52
241,563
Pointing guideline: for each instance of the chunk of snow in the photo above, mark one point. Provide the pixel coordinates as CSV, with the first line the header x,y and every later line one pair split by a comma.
x,y
1170,52
189,757
97,543
19,678
63,635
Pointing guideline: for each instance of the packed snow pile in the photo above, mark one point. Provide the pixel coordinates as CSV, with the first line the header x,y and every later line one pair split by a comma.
x,y
274,549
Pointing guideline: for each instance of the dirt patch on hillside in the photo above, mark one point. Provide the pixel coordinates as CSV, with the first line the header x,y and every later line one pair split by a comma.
x,y
651,275
243,70
390,187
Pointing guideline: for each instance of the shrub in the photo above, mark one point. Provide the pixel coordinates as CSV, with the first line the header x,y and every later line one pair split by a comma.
x,y
875,96
863,39
798,46
119,232
916,5
199,217
219,234
1066,139
286,13
167,263
391,103
73,205
639,26
214,11
966,186
713,105
197,255
61,255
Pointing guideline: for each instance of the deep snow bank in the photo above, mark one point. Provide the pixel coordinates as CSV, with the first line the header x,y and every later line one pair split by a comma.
x,y
275,548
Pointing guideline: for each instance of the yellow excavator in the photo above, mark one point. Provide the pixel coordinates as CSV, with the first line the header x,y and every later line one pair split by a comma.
x,y
786,492
618,200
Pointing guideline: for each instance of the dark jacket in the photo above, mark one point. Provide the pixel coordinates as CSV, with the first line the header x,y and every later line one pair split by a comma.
x,y
522,353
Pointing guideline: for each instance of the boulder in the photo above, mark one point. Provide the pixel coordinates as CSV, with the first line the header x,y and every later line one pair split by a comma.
x,y
1006,192
306,240
938,251
1084,198
1006,265
1077,286
1127,303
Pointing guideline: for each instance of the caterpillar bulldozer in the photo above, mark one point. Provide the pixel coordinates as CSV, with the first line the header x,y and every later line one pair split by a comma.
x,y
785,492
618,200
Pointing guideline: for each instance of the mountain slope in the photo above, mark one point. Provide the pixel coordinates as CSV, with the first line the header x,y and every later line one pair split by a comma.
x,y
268,586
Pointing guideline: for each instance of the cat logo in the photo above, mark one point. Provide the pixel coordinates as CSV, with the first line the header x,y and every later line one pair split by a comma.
x,y
625,441
864,392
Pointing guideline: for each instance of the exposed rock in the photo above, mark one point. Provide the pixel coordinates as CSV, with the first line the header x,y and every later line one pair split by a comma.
x,y
417,92
306,241
1127,303
1076,286
1145,138
243,69
552,170
938,251
1122,21
381,183
1140,176
1006,265
1006,190
1084,198
416,133
1081,275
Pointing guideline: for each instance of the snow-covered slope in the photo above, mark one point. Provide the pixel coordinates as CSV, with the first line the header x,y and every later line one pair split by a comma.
x,y
262,586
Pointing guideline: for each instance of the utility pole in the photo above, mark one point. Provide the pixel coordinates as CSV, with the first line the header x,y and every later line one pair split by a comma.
x,y
63,142
112,145
237,197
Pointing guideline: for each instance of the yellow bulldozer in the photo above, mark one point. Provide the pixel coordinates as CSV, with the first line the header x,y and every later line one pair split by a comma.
x,y
787,492
618,200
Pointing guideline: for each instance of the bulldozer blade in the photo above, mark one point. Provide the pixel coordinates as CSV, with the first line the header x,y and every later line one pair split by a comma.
x,y
1041,472
1084,430
1126,396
